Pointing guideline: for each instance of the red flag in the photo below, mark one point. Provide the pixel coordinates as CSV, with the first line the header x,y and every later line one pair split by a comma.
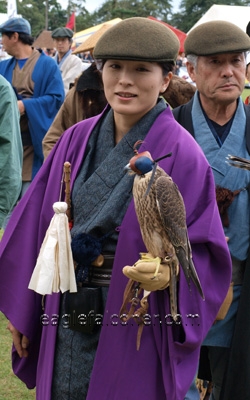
x,y
71,22
181,35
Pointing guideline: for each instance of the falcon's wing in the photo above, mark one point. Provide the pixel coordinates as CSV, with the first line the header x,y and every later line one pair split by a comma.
x,y
173,215
172,210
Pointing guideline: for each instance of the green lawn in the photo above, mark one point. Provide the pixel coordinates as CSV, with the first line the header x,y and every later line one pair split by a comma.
x,y
245,93
11,388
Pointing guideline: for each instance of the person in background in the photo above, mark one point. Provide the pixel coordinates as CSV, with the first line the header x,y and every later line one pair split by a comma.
x,y
70,65
178,64
220,123
11,150
38,85
87,57
136,58
183,59
50,52
84,100
247,99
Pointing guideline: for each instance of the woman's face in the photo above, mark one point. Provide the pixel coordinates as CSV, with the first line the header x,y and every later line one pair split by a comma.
x,y
133,87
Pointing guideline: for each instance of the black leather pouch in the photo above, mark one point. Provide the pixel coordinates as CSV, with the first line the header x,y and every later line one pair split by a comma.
x,y
83,310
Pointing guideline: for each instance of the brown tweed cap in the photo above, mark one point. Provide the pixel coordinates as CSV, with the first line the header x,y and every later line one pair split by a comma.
x,y
216,37
138,39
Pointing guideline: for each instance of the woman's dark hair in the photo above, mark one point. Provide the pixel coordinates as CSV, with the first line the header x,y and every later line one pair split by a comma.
x,y
166,67
23,37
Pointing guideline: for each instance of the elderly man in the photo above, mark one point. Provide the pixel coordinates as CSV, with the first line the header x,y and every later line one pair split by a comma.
x,y
220,123
39,90
70,65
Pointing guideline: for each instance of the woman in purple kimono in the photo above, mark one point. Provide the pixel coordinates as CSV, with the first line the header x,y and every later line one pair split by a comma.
x,y
137,57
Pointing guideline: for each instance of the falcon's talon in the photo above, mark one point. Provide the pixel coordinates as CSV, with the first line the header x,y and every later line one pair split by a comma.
x,y
146,258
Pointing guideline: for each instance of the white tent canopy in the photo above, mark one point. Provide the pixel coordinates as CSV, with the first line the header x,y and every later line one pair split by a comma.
x,y
3,18
238,15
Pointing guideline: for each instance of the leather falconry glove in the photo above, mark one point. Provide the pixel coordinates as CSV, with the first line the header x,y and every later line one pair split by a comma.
x,y
150,272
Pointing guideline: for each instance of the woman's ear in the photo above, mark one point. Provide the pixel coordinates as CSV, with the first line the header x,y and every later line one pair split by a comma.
x,y
167,78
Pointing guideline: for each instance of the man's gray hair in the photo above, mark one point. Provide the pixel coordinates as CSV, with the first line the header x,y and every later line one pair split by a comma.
x,y
192,59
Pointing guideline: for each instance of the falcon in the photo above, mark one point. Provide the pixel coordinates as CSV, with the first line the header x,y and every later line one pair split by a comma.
x,y
161,215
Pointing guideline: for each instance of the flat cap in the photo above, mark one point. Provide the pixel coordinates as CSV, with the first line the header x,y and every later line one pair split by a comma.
x,y
19,25
62,32
138,39
216,37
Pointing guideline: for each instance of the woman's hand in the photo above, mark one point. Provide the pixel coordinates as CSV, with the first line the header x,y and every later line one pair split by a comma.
x,y
21,342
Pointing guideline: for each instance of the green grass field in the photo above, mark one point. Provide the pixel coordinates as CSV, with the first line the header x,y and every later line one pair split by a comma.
x,y
11,388
245,93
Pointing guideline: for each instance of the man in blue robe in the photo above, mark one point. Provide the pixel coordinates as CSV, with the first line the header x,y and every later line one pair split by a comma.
x,y
37,82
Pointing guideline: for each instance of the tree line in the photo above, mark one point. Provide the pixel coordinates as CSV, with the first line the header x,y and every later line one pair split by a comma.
x,y
189,12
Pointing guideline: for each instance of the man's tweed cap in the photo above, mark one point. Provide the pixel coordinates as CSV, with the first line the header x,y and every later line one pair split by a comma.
x,y
216,37
138,39
19,25
62,33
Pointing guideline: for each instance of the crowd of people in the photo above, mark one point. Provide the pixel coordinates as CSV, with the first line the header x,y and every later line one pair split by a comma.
x,y
129,96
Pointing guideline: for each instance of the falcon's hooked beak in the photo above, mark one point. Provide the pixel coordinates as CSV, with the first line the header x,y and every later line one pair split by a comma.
x,y
127,167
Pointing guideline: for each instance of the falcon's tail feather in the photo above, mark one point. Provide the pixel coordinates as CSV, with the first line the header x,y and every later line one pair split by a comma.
x,y
173,290
238,162
189,270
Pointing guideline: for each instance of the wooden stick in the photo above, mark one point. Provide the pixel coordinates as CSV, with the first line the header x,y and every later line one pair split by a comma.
x,y
67,171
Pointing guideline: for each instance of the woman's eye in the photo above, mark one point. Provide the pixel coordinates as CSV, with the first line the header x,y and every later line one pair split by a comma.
x,y
142,69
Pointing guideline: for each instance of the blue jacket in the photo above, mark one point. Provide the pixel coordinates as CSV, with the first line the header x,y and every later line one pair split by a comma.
x,y
42,108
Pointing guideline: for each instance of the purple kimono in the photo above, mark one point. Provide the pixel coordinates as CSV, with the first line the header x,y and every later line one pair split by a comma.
x,y
166,363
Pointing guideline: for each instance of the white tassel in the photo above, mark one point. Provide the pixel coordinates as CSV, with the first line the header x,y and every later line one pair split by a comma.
x,y
54,270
